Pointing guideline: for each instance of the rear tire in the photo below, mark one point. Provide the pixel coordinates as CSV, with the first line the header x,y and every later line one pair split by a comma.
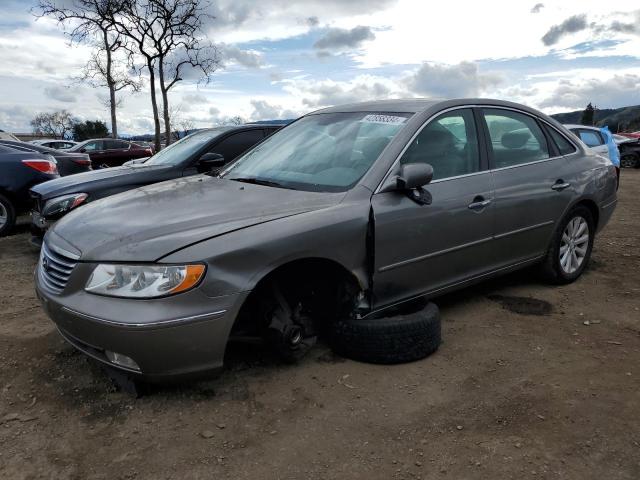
x,y
389,340
569,252
630,160
7,216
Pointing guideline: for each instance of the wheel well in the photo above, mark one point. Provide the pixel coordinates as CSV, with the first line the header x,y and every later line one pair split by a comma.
x,y
326,277
593,208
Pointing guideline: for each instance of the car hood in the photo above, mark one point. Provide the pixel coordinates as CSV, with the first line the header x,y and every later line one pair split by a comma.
x,y
87,182
148,223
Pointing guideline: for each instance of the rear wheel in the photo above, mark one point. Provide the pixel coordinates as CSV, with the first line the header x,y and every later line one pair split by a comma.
x,y
570,248
7,215
630,160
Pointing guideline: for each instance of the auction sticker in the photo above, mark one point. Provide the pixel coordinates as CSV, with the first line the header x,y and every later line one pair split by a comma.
x,y
386,119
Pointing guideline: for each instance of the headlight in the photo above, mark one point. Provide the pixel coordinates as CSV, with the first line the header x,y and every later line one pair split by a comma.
x,y
143,281
63,204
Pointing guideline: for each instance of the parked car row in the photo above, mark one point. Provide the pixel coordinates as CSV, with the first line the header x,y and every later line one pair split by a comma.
x,y
200,152
68,162
329,225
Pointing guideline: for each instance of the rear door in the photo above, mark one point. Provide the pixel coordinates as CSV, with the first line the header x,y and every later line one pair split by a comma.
x,y
532,184
117,152
426,248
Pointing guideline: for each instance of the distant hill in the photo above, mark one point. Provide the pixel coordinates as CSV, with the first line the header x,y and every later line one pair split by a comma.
x,y
617,119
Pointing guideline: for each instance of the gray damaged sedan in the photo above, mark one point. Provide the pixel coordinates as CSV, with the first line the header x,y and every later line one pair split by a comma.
x,y
324,226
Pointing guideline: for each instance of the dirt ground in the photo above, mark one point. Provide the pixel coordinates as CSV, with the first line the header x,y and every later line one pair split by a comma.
x,y
532,381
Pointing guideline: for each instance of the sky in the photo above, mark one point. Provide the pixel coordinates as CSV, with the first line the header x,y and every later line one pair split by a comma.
x,y
285,58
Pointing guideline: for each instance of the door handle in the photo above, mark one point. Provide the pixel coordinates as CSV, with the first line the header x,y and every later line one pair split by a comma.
x,y
479,203
560,185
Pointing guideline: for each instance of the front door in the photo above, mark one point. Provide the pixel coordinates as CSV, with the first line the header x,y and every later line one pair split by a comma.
x,y
426,248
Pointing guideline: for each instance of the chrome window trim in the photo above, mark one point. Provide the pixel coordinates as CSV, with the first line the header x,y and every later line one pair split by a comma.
x,y
489,170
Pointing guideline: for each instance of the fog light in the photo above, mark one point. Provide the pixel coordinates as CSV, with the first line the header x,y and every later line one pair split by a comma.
x,y
122,360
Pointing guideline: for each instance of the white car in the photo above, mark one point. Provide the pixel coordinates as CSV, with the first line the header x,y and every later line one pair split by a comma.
x,y
8,136
53,143
591,137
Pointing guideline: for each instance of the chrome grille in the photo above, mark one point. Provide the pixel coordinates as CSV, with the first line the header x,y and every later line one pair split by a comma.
x,y
54,269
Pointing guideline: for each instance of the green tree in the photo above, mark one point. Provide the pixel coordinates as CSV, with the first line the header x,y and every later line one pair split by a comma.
x,y
588,115
90,129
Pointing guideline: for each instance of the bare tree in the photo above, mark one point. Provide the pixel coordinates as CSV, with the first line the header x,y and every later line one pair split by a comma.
x,y
168,34
94,20
181,125
103,71
57,124
237,120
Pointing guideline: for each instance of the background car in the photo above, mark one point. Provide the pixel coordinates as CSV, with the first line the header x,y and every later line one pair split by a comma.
x,y
110,152
631,134
199,152
7,136
591,137
55,144
68,162
629,151
19,171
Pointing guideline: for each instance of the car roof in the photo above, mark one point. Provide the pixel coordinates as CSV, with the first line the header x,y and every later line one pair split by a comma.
x,y
417,105
574,125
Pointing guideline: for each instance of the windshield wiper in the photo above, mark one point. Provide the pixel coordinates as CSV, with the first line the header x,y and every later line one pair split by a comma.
x,y
258,181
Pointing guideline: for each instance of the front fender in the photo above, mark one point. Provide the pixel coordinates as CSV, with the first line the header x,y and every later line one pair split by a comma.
x,y
238,260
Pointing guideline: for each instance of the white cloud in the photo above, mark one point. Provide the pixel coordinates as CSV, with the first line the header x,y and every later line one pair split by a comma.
x,y
61,94
263,110
462,80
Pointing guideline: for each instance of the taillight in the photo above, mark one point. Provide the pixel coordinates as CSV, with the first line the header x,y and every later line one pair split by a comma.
x,y
44,166
81,161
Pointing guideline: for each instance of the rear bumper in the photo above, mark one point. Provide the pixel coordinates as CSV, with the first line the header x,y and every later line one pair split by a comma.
x,y
165,346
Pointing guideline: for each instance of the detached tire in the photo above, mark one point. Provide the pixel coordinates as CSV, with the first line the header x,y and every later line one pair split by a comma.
x,y
7,216
389,340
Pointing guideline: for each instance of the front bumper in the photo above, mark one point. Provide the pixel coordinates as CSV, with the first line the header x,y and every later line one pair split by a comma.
x,y
168,338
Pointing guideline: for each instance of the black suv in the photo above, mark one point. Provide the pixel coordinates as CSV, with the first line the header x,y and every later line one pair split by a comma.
x,y
200,152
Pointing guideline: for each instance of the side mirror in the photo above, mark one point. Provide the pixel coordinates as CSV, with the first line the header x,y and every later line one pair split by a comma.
x,y
210,161
414,175
83,150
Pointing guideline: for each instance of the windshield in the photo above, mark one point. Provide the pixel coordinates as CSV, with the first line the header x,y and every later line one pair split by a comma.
x,y
183,149
321,152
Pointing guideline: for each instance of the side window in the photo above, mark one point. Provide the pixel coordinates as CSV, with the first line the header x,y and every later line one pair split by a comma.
x,y
448,143
564,146
93,146
515,138
591,138
116,145
238,143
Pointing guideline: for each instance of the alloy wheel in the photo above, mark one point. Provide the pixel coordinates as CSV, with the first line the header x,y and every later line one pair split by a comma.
x,y
574,245
628,161
4,215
